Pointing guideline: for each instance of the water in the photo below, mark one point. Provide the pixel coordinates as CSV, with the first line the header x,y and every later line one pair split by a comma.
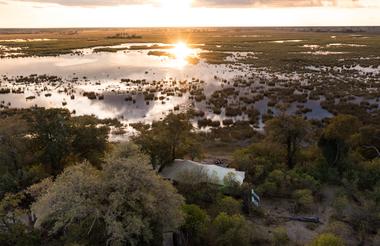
x,y
102,73
169,79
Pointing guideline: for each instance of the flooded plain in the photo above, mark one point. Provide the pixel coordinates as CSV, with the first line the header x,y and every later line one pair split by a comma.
x,y
142,82
112,76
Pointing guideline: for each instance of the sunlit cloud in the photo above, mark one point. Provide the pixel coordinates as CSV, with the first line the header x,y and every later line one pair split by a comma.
x,y
220,3
92,3
156,13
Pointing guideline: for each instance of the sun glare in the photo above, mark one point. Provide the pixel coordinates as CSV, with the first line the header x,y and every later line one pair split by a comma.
x,y
182,52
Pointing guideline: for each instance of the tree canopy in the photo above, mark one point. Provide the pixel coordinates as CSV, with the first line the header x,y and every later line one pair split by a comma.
x,y
126,198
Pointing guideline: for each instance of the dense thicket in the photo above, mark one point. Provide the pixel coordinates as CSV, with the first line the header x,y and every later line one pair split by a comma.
x,y
63,183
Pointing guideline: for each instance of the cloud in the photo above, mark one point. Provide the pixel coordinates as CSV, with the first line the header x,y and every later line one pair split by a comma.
x,y
92,3
278,3
221,3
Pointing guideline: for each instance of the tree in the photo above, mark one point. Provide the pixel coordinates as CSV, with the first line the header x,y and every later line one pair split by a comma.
x,y
90,138
304,198
229,230
290,132
124,203
13,229
13,144
336,138
369,142
327,239
18,168
258,160
52,136
60,139
228,205
166,140
196,224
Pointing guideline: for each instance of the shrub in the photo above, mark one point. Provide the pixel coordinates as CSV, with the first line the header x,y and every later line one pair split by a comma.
x,y
228,205
340,204
280,236
327,239
196,220
339,229
230,230
304,198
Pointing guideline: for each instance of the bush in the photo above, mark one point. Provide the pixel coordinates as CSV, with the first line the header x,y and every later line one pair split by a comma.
x,y
280,236
304,198
196,221
327,239
229,206
283,184
339,229
340,204
229,231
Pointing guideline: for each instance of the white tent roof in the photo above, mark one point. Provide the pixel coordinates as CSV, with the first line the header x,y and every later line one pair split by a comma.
x,y
194,172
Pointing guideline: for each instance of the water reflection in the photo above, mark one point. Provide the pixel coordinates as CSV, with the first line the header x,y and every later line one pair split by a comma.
x,y
138,85
182,52
103,72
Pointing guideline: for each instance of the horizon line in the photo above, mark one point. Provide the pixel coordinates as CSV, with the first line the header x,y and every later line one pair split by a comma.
x,y
136,27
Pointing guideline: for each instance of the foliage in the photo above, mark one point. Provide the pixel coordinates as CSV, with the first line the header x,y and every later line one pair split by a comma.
x,y
229,230
290,132
280,236
369,142
258,160
39,142
368,174
18,167
125,202
90,138
196,223
228,205
336,138
327,239
340,229
304,198
52,136
13,230
167,140
57,135
280,183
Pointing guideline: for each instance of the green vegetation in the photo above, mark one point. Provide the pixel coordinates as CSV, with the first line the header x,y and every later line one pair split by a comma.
x,y
220,42
74,187
168,140
63,182
110,205
327,240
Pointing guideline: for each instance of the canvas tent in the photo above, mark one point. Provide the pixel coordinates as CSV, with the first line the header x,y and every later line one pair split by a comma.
x,y
186,171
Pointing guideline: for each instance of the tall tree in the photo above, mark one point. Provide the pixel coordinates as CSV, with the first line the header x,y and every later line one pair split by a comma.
x,y
53,137
166,140
124,203
90,138
290,132
336,139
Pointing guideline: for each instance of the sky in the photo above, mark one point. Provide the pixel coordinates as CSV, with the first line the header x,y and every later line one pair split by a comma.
x,y
196,13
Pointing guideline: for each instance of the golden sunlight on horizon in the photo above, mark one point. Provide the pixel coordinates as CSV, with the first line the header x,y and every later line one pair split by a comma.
x,y
182,53
180,13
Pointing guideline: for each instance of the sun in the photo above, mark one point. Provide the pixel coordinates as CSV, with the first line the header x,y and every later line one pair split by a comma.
x,y
181,53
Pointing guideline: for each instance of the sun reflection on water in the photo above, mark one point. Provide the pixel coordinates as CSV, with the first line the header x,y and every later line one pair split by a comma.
x,y
182,54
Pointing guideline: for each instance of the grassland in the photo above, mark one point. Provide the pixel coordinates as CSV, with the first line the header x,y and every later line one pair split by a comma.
x,y
220,41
